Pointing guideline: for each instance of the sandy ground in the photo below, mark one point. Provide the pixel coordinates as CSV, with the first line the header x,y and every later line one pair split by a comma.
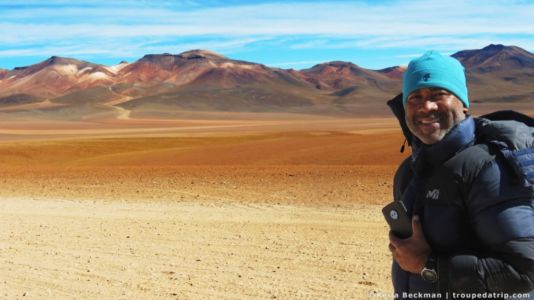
x,y
54,249
281,210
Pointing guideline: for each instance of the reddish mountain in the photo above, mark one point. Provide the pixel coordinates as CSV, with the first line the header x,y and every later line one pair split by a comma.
x,y
53,77
338,75
203,80
495,58
498,73
160,84
200,67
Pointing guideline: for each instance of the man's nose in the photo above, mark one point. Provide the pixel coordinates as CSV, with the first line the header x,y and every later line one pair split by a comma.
x,y
428,105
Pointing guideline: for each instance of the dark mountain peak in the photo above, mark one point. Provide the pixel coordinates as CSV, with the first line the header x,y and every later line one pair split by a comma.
x,y
58,60
494,47
152,57
495,58
201,54
123,62
336,64
168,59
164,60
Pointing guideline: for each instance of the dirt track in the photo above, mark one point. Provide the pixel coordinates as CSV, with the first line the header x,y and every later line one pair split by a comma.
x,y
292,214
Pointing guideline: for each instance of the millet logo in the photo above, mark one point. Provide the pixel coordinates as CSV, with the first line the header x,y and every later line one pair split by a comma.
x,y
433,194
426,77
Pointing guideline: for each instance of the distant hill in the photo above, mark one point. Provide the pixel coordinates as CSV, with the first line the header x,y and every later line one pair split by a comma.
x,y
54,77
158,84
495,58
498,73
340,75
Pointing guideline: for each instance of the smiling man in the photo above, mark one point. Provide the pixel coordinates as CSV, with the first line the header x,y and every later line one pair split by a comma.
x,y
468,187
432,112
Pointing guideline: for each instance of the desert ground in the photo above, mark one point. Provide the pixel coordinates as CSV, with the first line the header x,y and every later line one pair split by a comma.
x,y
250,207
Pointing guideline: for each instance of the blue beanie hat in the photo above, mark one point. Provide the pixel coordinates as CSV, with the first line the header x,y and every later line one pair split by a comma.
x,y
435,70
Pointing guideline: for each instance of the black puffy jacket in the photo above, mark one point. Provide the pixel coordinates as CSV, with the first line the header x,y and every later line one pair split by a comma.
x,y
474,194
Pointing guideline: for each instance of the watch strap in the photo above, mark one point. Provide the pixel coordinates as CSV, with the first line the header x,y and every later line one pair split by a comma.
x,y
430,270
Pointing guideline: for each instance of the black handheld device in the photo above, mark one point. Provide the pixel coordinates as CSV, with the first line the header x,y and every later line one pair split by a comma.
x,y
397,217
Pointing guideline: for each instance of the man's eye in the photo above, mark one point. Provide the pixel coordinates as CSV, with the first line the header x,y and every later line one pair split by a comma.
x,y
439,94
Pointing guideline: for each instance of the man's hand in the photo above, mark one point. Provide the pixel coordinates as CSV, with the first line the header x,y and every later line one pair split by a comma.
x,y
410,253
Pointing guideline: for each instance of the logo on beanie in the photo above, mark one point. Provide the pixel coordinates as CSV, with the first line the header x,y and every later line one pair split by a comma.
x,y
426,77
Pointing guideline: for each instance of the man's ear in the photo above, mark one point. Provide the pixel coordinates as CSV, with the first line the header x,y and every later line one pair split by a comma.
x,y
465,110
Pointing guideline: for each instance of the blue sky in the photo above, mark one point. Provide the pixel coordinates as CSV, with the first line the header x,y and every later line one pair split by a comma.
x,y
286,34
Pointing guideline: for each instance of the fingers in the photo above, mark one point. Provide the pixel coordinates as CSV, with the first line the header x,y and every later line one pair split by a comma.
x,y
417,230
394,240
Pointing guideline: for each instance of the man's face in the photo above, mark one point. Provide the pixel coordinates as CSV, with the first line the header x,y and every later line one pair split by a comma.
x,y
432,112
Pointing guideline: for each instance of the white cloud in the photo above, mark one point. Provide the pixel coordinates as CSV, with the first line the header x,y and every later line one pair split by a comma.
x,y
107,26
418,18
119,49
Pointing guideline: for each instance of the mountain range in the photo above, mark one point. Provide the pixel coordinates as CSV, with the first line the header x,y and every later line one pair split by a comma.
x,y
159,85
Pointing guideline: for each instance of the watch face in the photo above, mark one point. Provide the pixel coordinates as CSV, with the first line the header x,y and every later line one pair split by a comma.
x,y
429,275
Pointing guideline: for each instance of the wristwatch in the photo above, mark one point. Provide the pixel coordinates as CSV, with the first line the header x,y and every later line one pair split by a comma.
x,y
429,272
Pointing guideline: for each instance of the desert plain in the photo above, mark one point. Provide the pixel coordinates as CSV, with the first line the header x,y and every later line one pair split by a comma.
x,y
244,206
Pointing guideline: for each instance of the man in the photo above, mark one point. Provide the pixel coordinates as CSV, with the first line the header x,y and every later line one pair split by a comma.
x,y
468,187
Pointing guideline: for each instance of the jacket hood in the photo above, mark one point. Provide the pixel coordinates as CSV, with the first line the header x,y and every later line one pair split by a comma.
x,y
397,108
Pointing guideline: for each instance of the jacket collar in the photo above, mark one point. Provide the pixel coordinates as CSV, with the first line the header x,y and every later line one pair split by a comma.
x,y
460,137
